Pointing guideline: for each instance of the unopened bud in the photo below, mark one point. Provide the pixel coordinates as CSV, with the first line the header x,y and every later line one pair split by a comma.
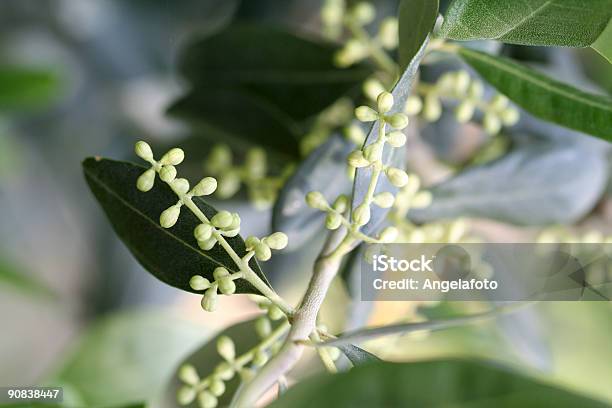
x,y
341,203
499,102
372,88
251,242
384,200
209,300
389,234
168,217
220,272
396,139
397,177
222,219
365,114
509,116
333,221
475,90
432,110
188,374
373,152
355,134
315,199
491,123
207,244
263,327
167,173
422,199
384,102
228,185
227,286
356,159
464,111
260,358
462,82
180,185
143,150
146,180
361,215
275,313
363,12
203,232
262,252
226,348
398,120
174,157
217,387
185,395
198,282
207,400
225,371
278,240
205,187
388,34
413,106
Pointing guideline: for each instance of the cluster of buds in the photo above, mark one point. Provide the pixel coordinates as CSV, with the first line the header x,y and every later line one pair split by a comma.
x,y
468,94
223,282
222,223
273,312
262,248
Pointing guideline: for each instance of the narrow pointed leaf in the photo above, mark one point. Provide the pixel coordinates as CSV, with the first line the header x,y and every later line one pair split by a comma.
x,y
357,355
603,44
416,20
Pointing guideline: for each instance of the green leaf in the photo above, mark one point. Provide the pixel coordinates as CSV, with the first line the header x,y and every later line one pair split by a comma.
x,y
416,20
542,96
172,255
603,44
568,23
13,277
24,88
439,383
357,355
127,357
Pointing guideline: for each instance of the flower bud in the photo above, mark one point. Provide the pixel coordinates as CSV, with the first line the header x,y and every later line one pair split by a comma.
x,y
315,199
185,395
180,185
361,215
227,286
262,252
388,34
333,221
174,157
235,221
198,282
384,102
491,123
373,152
464,111
509,116
278,240
432,110
384,200
446,82
222,219
203,232
226,348
167,173
475,90
355,134
143,150
188,374
225,371
341,203
228,185
207,244
398,120
462,82
260,358
251,242
220,272
219,159
209,300
422,199
217,387
413,106
366,114
372,88
356,159
498,102
263,327
275,313
332,13
255,162
205,187
168,217
146,180
397,177
396,139
389,234
363,12
207,400
413,184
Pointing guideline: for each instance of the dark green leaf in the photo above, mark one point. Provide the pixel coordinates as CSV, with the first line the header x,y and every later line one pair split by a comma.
x,y
537,184
358,356
416,20
439,383
172,255
603,44
22,88
542,96
13,277
569,23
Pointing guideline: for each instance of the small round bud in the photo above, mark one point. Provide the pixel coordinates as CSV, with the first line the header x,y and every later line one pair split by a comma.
x,y
275,313
167,173
209,300
499,102
146,180
396,139
174,157
509,116
251,242
143,150
219,159
355,134
228,184
207,244
185,395
372,88
205,187
422,199
188,374
315,199
263,327
180,185
169,217
397,177
278,240
384,102
217,387
384,200
356,159
198,282
226,348
331,14
203,232
260,358
475,90
446,82
333,221
462,82
222,219
363,13
235,221
373,152
220,272
366,114
227,286
398,120
361,215
389,234
464,111
413,184
262,252
225,371
255,162
388,35
491,123
207,400
413,106
432,110
341,203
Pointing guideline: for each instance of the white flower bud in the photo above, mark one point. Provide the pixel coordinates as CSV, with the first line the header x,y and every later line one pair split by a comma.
x,y
220,158
446,82
353,51
388,35
432,110
475,90
203,232
498,102
220,272
413,185
146,180
397,177
180,185
365,114
396,139
491,123
356,159
384,200
462,82
372,88
398,120
255,162
263,327
198,282
143,150
226,348
361,215
169,216
333,221
205,187
341,203
332,13
413,106
174,157
389,234
227,286
209,300
228,185
225,371
373,152
185,395
315,199
275,313
207,244
235,222
355,134
222,219
363,12
422,199
262,252
342,58
217,387
464,111
278,240
251,242
260,358
207,400
509,116
167,173
384,102
188,374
